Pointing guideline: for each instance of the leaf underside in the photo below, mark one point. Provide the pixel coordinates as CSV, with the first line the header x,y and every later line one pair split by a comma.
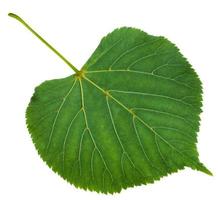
x,y
130,117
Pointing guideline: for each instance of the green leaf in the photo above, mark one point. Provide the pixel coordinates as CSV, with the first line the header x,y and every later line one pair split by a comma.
x,y
129,117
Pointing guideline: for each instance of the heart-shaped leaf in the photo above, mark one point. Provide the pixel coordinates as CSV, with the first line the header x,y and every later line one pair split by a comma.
x,y
128,117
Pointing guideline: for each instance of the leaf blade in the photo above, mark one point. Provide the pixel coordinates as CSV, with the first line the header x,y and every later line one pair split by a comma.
x,y
131,118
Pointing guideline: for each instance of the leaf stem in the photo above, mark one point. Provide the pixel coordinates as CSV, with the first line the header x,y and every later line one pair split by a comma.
x,y
43,40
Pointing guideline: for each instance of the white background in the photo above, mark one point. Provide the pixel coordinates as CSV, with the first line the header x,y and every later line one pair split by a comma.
x,y
75,28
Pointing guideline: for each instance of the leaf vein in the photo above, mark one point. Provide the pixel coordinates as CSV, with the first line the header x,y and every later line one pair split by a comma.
x,y
90,133
141,72
66,136
58,112
131,50
151,94
166,113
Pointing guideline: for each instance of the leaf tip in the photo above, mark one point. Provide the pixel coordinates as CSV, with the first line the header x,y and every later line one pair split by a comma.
x,y
208,172
203,169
